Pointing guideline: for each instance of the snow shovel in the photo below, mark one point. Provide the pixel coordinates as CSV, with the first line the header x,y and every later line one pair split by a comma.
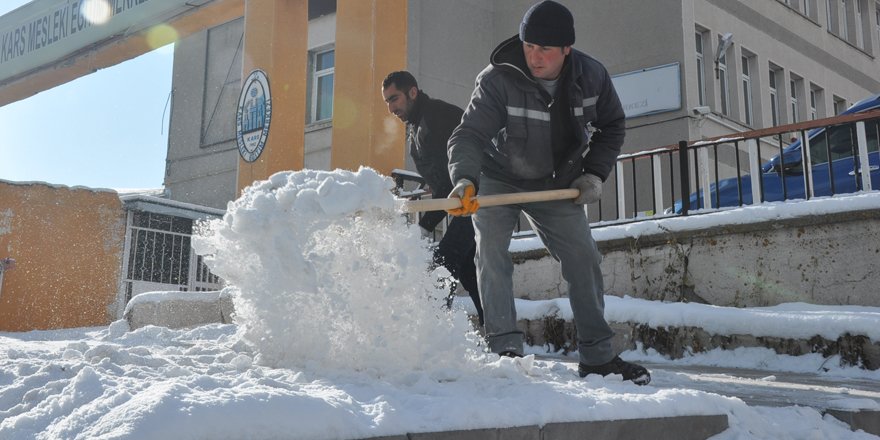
x,y
493,200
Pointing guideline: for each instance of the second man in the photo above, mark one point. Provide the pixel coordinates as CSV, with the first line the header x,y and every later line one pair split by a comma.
x,y
429,123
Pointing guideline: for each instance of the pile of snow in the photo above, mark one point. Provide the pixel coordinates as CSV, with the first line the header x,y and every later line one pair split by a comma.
x,y
327,276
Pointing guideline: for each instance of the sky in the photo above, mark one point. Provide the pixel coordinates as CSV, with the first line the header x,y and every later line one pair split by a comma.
x,y
340,335
104,130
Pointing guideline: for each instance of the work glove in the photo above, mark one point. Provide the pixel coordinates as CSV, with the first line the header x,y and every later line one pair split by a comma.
x,y
464,189
590,187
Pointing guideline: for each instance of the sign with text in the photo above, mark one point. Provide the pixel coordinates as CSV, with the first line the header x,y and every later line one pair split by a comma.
x,y
648,91
45,31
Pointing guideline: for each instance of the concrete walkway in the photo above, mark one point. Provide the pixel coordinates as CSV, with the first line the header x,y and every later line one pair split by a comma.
x,y
764,388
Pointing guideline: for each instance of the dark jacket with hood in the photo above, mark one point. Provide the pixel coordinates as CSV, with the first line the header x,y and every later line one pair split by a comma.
x,y
429,125
508,134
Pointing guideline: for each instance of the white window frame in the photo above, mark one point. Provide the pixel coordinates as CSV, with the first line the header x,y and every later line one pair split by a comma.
x,y
857,22
724,84
829,15
774,98
793,99
701,68
844,24
877,19
814,112
804,7
316,76
748,114
839,105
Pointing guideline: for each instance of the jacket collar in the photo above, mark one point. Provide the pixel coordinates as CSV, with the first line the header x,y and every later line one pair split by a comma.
x,y
415,114
508,56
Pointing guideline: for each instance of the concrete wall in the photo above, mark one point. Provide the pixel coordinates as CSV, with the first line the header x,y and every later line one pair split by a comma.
x,y
202,159
818,259
67,243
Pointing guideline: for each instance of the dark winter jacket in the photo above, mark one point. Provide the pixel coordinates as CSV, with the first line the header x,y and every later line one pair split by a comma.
x,y
506,130
431,121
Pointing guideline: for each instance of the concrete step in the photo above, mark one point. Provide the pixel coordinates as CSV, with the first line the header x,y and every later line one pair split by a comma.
x,y
676,342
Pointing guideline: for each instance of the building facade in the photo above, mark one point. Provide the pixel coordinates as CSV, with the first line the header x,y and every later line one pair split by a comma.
x,y
685,70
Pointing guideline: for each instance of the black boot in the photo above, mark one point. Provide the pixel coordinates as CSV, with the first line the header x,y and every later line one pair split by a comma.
x,y
636,373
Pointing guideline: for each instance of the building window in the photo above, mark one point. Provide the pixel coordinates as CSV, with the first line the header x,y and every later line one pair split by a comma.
x,y
322,85
701,75
747,91
804,7
857,24
839,105
774,100
830,14
877,19
814,103
844,24
724,84
793,86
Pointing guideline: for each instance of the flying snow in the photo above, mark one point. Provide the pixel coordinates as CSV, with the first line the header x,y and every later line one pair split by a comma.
x,y
329,276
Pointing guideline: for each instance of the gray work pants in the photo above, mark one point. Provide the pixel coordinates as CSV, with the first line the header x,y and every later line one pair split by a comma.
x,y
565,231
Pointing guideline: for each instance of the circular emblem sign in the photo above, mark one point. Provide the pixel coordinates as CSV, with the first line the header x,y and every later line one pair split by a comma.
x,y
252,118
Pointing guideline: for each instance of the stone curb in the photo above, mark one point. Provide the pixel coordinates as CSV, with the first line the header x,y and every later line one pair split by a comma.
x,y
661,428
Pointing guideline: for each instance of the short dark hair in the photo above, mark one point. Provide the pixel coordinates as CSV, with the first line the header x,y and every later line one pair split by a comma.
x,y
401,79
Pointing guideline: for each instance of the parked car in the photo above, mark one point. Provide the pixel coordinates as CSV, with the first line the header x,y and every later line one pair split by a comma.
x,y
782,176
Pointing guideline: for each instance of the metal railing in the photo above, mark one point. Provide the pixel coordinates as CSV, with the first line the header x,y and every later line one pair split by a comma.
x,y
773,164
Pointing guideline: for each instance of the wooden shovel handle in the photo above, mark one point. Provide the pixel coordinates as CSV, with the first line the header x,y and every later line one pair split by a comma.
x,y
493,200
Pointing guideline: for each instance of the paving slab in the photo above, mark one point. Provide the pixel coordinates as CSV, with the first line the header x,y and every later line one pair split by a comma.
x,y
868,421
661,428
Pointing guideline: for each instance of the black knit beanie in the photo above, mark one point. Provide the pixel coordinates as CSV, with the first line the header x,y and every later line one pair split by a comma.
x,y
547,24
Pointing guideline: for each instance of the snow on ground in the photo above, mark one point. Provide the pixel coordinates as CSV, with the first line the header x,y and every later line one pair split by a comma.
x,y
341,335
